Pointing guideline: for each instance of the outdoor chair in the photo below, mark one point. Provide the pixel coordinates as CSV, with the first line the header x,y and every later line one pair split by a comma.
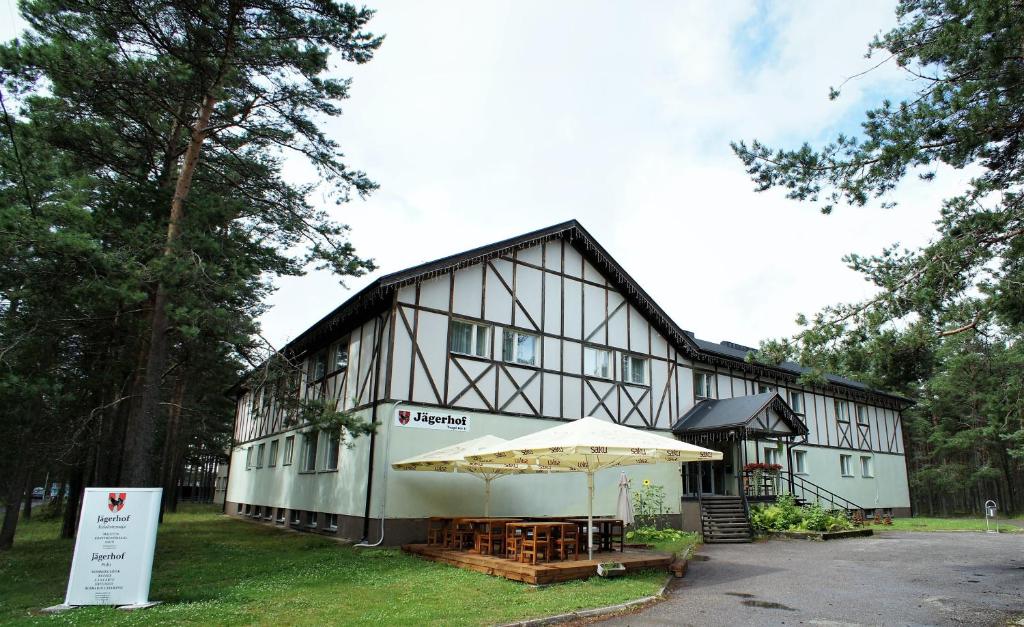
x,y
536,545
568,543
491,541
513,542
437,528
459,536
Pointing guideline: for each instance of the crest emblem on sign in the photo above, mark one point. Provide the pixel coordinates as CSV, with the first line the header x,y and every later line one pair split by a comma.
x,y
403,417
115,501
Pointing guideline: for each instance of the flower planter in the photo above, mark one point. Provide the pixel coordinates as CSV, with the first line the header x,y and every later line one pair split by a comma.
x,y
610,569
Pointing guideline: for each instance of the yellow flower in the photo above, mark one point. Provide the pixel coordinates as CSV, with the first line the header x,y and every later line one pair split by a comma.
x,y
647,482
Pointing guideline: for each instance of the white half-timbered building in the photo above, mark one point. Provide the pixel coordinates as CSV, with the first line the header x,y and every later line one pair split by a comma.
x,y
511,338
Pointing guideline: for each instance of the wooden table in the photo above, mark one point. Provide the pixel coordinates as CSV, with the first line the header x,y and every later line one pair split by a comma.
x,y
605,531
535,526
488,531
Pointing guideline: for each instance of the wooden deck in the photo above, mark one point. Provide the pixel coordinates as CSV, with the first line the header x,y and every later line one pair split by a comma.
x,y
548,572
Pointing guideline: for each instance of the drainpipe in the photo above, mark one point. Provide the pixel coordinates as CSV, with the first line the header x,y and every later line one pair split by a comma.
x,y
383,496
373,437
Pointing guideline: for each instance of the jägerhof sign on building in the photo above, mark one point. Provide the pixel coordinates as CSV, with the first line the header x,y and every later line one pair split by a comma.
x,y
431,420
113,560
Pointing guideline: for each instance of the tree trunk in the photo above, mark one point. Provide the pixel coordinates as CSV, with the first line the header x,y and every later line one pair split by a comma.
x,y
138,470
12,504
76,483
172,442
27,514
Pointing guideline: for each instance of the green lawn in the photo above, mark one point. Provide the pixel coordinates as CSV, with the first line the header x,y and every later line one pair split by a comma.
x,y
210,569
946,524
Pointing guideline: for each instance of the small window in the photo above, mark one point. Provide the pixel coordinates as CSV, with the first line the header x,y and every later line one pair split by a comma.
x,y
248,458
332,522
468,338
862,415
597,362
260,450
333,446
704,384
257,511
272,460
842,411
289,450
280,516
764,387
248,509
796,401
866,469
800,462
309,443
771,455
296,517
846,465
520,348
318,366
634,369
311,520
340,356
239,509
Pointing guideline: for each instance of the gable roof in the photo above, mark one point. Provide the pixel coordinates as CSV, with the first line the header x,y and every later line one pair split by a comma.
x,y
377,297
753,413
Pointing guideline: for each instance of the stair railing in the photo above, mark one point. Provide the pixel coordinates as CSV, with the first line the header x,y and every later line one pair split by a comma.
x,y
771,486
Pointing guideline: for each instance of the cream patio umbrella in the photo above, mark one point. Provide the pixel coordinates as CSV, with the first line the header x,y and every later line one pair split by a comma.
x,y
588,445
453,459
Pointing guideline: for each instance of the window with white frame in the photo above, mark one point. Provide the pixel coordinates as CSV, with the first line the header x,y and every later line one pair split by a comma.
x,y
289,451
333,444
310,441
238,510
248,458
296,518
311,519
332,522
272,459
634,369
771,455
280,516
842,411
260,450
846,465
866,467
796,401
518,347
704,384
469,338
800,462
765,387
597,362
318,366
862,415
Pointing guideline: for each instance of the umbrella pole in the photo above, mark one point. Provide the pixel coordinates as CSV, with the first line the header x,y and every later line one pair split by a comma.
x,y
590,515
487,496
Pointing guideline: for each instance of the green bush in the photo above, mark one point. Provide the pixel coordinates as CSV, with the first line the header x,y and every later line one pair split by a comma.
x,y
654,535
648,504
786,515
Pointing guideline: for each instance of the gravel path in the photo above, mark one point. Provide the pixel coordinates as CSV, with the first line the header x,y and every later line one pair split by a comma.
x,y
893,579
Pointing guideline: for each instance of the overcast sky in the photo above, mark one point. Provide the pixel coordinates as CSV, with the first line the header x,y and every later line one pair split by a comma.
x,y
484,120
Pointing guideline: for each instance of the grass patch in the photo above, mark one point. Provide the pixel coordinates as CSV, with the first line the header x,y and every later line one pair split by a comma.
x,y
946,524
677,547
210,569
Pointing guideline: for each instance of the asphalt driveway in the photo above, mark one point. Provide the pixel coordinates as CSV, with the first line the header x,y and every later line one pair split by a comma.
x,y
892,579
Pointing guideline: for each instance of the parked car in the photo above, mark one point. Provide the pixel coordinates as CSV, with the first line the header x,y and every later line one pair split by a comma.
x,y
37,493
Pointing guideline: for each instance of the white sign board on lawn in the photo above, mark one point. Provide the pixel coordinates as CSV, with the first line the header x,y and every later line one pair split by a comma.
x,y
113,560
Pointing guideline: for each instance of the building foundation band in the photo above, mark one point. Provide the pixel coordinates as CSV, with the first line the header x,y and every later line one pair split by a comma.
x,y
511,338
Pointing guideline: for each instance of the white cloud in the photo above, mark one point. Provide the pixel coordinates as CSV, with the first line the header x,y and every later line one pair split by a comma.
x,y
481,121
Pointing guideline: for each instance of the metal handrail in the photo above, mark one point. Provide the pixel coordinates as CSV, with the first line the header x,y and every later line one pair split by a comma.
x,y
806,487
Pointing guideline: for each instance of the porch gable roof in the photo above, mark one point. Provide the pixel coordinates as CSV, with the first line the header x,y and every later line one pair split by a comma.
x,y
766,413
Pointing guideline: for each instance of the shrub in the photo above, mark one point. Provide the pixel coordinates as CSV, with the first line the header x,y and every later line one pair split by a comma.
x,y
786,515
648,504
651,534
